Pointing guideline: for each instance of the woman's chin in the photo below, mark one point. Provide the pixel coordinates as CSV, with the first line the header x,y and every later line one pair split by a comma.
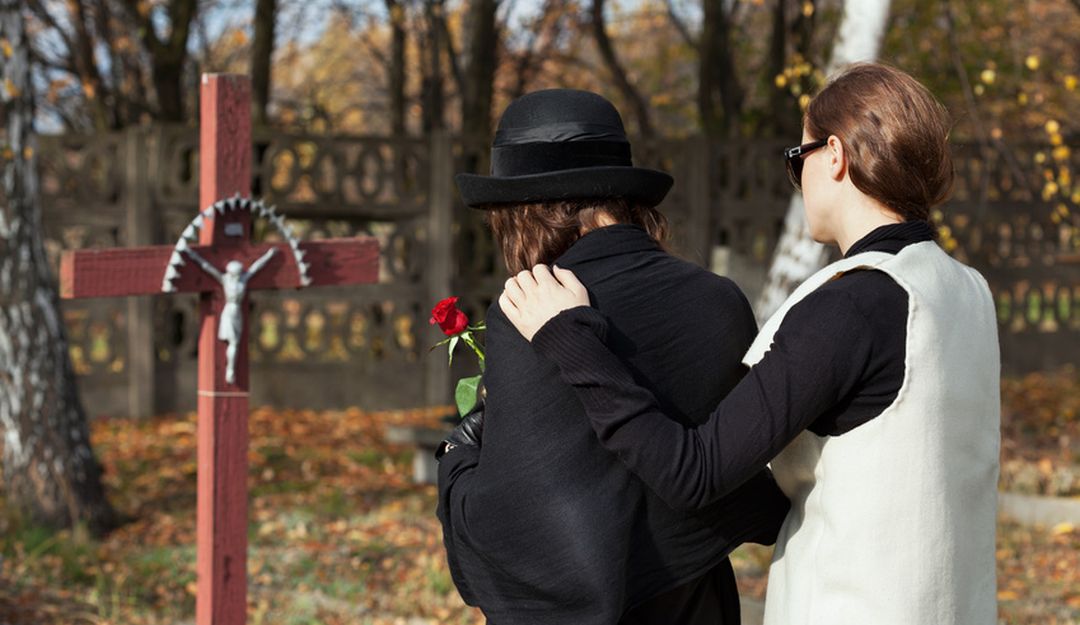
x,y
822,237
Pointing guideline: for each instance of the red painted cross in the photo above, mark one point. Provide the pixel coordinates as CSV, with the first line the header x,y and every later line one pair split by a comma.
x,y
225,157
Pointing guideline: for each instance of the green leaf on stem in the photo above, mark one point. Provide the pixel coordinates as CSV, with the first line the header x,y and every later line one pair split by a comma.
x,y
466,395
453,343
442,342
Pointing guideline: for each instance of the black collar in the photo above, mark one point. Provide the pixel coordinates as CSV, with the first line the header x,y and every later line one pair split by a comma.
x,y
611,240
893,238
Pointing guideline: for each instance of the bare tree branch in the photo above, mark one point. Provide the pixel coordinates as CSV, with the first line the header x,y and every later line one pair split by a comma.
x,y
42,13
451,53
618,73
540,41
680,25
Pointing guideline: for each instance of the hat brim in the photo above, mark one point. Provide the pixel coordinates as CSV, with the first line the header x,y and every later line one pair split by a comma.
x,y
637,184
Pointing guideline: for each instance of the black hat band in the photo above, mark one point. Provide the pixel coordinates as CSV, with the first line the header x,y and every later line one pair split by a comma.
x,y
538,158
557,132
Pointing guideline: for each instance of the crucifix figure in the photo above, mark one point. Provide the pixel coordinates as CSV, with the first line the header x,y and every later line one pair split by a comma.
x,y
233,285
219,236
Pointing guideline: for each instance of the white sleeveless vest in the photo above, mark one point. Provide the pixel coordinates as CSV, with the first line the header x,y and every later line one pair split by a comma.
x,y
893,523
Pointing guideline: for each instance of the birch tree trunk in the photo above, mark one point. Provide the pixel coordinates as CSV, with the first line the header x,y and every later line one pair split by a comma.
x,y
797,256
49,469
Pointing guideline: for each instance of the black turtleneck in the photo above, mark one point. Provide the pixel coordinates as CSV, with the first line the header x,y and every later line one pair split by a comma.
x,y
836,362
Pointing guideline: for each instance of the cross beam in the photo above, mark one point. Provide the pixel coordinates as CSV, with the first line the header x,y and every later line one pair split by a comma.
x,y
140,270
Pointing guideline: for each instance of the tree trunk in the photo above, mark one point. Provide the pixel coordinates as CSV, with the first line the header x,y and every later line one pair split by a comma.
x,y
778,122
262,49
481,61
168,77
83,56
49,469
637,102
396,10
797,257
168,56
432,80
716,71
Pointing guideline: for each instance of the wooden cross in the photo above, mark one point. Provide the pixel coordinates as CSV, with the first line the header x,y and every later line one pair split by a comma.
x,y
225,172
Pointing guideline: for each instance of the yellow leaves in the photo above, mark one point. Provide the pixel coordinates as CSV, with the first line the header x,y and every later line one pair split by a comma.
x,y
807,9
948,241
1050,189
89,90
5,48
1061,153
239,37
988,76
1032,62
780,81
1071,82
28,153
12,91
1007,595
804,101
1040,158
1053,128
996,133
1062,528
1022,98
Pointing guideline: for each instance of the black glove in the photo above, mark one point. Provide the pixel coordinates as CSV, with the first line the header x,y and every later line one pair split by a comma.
x,y
467,433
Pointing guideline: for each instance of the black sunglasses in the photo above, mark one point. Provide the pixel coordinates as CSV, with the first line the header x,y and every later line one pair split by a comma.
x,y
794,159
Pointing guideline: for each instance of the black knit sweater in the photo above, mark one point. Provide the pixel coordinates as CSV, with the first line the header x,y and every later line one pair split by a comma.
x,y
541,524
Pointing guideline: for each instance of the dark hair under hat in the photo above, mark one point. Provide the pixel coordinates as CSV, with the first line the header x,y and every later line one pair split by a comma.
x,y
562,144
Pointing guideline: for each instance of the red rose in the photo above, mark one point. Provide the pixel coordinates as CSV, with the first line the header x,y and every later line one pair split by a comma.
x,y
451,320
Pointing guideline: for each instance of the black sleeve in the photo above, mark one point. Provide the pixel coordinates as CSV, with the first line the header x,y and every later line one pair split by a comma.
x,y
455,472
816,359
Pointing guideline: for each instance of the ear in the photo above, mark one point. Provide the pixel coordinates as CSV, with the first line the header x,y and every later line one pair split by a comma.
x,y
837,158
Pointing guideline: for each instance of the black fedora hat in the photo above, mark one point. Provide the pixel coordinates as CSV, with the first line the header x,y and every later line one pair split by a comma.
x,y
562,144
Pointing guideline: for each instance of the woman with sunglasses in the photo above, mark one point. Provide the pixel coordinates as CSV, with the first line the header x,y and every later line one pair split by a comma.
x,y
873,390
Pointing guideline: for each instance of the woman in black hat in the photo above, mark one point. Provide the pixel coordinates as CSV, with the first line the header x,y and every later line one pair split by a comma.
x,y
540,523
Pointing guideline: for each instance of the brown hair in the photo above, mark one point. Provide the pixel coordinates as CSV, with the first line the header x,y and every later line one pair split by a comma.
x,y
895,133
533,233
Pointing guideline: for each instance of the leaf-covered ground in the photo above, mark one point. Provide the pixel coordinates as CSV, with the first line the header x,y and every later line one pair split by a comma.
x,y
1040,444
339,534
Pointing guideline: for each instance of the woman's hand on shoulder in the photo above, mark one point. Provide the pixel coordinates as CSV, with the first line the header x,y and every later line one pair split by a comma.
x,y
531,298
